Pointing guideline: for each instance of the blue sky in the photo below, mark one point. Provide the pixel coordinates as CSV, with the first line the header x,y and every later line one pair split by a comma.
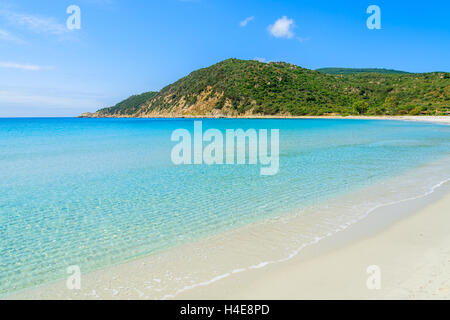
x,y
126,47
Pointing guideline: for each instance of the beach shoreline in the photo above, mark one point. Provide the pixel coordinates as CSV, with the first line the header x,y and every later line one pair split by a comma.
x,y
411,250
369,241
397,237
435,119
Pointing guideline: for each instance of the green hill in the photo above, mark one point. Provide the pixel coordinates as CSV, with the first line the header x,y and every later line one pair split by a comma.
x,y
239,87
130,105
360,70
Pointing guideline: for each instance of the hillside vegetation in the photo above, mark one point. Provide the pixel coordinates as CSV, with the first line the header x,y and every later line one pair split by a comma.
x,y
131,105
360,70
239,87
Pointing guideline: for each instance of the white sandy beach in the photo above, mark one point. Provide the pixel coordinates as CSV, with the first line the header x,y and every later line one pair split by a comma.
x,y
413,255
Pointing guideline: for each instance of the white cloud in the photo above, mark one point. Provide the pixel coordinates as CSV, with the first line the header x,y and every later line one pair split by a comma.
x,y
28,67
34,23
38,24
260,59
7,36
244,22
30,99
282,28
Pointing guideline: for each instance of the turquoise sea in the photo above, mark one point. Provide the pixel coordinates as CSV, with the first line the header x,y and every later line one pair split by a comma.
x,y
97,192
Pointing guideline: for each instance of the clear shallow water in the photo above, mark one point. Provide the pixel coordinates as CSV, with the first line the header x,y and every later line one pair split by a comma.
x,y
95,192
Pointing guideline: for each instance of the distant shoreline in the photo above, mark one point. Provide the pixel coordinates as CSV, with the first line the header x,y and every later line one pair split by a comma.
x,y
436,119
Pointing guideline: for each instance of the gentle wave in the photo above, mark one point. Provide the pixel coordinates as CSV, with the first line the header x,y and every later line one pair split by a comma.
x,y
298,250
